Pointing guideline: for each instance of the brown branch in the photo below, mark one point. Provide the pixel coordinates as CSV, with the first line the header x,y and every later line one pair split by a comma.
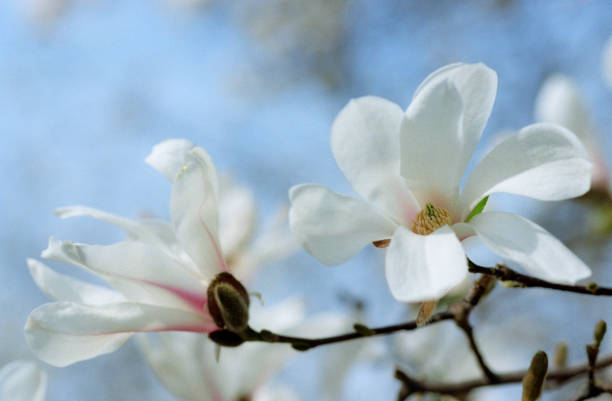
x,y
462,314
457,312
361,331
504,273
413,386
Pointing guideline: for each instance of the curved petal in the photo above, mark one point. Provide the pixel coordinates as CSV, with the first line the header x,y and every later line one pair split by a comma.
x,y
333,227
237,217
168,157
560,102
365,143
432,144
150,230
477,86
181,362
424,267
541,161
22,381
65,288
193,209
62,333
529,245
139,271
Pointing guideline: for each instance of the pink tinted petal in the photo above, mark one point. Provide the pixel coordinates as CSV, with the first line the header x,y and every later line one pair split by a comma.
x,y
139,271
62,333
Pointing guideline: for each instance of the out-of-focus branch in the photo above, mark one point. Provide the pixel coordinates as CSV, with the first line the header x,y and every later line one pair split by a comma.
x,y
413,386
462,314
504,273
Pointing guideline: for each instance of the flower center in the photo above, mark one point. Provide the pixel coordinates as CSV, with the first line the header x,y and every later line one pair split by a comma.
x,y
430,218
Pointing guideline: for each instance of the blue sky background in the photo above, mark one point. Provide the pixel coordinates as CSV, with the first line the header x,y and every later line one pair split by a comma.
x,y
83,100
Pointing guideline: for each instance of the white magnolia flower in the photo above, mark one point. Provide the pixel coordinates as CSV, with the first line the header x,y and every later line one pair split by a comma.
x,y
186,363
559,101
22,381
607,62
158,277
407,167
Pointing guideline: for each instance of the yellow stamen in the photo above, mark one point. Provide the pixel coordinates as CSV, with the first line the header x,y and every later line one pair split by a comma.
x,y
430,218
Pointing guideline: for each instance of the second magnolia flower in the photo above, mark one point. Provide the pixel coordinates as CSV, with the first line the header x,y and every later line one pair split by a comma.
x,y
407,167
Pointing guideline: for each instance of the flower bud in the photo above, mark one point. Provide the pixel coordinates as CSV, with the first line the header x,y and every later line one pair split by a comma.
x,y
560,359
228,303
535,376
599,332
425,311
363,329
382,243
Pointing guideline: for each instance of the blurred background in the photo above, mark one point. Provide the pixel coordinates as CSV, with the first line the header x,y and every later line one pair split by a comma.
x,y
87,87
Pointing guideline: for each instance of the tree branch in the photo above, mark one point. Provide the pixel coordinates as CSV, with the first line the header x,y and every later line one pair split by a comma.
x,y
412,386
462,314
504,273
361,331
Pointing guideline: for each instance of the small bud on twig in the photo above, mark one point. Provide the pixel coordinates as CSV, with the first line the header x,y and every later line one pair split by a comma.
x,y
560,358
363,329
299,346
533,381
425,311
599,332
268,336
228,303
592,287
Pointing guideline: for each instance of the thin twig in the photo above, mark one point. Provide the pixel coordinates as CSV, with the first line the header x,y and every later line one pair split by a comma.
x,y
505,273
303,344
412,386
462,319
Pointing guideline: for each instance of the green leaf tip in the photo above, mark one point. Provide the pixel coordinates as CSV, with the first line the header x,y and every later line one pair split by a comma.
x,y
478,208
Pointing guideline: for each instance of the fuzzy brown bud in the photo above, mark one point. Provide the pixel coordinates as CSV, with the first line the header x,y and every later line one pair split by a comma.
x,y
535,376
228,303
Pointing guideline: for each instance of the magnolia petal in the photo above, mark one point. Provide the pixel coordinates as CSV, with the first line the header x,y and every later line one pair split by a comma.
x,y
541,161
150,230
183,364
65,288
477,86
524,242
62,333
193,210
139,271
187,366
22,381
364,140
275,392
431,143
237,216
333,227
424,267
559,101
168,157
